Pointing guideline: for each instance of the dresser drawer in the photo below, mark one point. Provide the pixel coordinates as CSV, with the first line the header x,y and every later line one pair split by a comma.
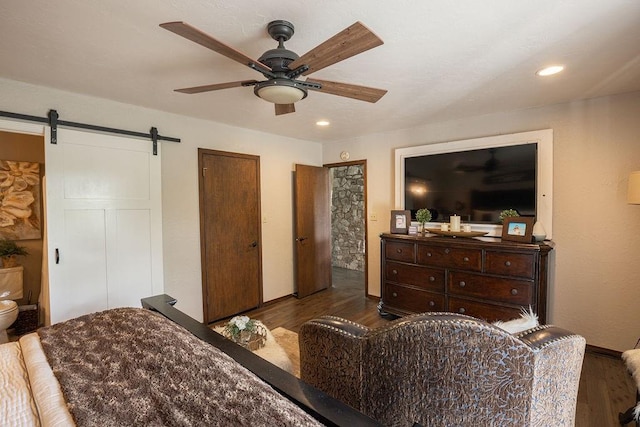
x,y
483,278
486,311
400,251
511,291
442,256
411,299
510,264
424,277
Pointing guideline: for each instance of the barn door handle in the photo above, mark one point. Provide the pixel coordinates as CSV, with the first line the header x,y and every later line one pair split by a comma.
x,y
57,256
301,239
254,244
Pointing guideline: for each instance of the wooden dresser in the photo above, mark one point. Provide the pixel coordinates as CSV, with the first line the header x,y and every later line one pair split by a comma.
x,y
484,278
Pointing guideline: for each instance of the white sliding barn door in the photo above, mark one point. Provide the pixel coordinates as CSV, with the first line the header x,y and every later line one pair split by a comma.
x,y
104,221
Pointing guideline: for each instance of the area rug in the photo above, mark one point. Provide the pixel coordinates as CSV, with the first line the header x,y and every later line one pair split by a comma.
x,y
288,340
281,349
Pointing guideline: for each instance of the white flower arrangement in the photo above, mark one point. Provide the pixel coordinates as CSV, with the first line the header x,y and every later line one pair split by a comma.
x,y
245,331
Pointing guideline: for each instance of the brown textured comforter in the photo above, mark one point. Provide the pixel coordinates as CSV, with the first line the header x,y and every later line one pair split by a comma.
x,y
133,367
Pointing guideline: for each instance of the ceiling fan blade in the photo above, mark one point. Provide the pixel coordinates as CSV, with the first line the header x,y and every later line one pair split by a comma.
x,y
191,33
349,42
209,88
285,109
361,93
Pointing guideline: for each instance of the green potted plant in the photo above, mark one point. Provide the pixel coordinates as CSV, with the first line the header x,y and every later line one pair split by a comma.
x,y
423,216
9,251
508,213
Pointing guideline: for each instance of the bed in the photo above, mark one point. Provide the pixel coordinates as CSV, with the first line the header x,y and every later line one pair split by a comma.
x,y
152,366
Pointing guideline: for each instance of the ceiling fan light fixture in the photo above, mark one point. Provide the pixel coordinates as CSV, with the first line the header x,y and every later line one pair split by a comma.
x,y
280,91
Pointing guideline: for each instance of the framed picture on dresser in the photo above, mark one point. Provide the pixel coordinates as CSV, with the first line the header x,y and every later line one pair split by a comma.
x,y
518,228
400,222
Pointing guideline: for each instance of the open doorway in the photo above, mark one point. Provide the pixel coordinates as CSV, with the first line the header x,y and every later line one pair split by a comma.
x,y
348,224
22,193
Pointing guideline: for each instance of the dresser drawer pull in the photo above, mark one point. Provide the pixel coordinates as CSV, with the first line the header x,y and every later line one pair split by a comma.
x,y
432,279
446,251
394,294
462,284
465,259
428,253
399,250
514,292
394,271
432,304
507,263
461,310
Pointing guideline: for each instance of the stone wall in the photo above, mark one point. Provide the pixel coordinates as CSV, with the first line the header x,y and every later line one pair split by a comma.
x,y
347,217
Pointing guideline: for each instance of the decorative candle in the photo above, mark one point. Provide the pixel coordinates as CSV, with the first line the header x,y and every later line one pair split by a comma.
x,y
466,228
454,220
444,227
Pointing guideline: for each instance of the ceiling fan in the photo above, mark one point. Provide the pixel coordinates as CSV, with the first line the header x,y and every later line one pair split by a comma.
x,y
488,166
282,67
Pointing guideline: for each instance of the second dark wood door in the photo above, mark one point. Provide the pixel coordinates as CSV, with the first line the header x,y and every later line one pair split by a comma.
x,y
230,233
313,230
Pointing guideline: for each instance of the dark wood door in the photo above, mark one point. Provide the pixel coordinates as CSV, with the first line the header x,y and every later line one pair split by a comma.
x,y
230,233
312,230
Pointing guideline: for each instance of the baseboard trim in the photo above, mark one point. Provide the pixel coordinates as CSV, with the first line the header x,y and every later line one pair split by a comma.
x,y
274,301
603,351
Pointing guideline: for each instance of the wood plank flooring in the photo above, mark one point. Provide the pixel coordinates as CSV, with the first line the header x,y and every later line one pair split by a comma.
x,y
345,299
605,390
605,387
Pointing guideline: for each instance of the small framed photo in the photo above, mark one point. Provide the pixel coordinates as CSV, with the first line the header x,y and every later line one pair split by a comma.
x,y
518,228
400,222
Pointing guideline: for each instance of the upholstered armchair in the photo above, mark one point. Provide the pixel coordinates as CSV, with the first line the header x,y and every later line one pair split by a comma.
x,y
444,369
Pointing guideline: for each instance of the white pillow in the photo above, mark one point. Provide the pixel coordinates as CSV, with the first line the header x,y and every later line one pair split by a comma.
x,y
527,320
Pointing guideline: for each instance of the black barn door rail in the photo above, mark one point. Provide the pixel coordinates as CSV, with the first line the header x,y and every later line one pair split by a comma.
x,y
53,121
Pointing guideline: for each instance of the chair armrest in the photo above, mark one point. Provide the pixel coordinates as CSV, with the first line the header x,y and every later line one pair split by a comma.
x,y
342,325
542,336
558,363
331,357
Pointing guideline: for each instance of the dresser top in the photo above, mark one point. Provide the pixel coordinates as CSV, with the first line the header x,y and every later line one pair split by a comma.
x,y
482,242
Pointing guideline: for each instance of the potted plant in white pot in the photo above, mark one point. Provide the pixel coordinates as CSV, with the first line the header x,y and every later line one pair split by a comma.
x,y
423,216
9,251
507,213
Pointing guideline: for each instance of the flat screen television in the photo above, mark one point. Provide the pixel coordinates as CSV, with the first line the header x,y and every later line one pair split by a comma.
x,y
478,178
473,184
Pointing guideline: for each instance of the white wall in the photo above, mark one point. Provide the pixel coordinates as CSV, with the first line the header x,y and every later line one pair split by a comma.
x,y
595,289
596,286
181,223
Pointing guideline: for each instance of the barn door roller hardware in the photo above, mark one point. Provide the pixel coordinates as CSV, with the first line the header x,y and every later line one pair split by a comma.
x,y
53,121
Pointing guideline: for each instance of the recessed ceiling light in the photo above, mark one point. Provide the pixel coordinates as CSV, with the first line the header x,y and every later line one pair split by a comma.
x,y
548,71
322,123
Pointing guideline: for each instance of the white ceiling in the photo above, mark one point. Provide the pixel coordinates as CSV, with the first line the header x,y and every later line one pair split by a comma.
x,y
440,60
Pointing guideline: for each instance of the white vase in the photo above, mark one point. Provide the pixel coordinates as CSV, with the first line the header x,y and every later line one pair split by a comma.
x,y
539,232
